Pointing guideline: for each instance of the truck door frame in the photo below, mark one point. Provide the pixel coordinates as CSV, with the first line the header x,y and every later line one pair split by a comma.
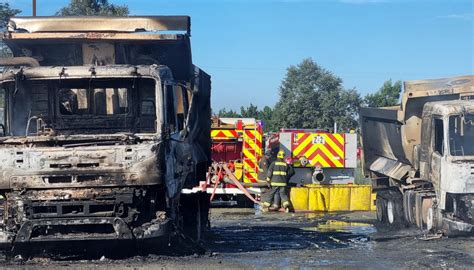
x,y
435,156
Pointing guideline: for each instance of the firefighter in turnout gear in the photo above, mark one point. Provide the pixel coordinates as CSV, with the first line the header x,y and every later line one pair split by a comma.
x,y
263,166
278,174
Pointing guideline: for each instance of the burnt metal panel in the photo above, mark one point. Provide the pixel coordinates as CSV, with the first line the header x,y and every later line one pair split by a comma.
x,y
100,24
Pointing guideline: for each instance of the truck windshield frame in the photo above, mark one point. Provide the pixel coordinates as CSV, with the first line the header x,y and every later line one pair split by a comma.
x,y
461,135
105,105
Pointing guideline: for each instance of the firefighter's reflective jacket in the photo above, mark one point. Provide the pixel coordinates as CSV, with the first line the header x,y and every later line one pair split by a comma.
x,y
279,172
263,165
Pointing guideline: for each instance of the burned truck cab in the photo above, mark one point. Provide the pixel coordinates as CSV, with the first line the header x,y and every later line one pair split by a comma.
x,y
446,157
101,130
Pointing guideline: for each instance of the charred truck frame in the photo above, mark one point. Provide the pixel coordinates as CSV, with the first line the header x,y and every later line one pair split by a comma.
x,y
105,121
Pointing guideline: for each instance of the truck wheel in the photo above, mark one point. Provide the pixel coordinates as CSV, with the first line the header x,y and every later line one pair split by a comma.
x,y
428,213
391,212
394,211
381,208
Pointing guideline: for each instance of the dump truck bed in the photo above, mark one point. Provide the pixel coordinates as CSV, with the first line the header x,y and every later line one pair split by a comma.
x,y
381,131
389,134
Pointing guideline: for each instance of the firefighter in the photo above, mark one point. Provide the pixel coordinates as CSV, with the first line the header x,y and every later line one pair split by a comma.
x,y
263,165
278,174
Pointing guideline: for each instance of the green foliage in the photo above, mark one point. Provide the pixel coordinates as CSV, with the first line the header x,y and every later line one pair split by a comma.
x,y
251,111
312,97
387,95
228,113
93,8
5,13
266,116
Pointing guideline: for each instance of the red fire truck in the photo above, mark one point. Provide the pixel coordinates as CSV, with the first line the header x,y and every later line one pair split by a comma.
x,y
237,146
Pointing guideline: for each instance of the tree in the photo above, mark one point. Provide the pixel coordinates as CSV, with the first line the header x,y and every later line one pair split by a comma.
x,y
5,13
92,8
387,95
250,111
312,97
228,113
266,116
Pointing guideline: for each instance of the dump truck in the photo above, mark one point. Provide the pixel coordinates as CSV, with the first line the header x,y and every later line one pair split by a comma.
x,y
106,120
420,155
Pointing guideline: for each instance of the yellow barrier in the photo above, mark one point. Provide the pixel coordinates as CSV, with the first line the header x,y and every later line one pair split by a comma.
x,y
333,198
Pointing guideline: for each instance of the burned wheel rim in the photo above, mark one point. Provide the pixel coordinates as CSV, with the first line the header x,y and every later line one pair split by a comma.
x,y
390,212
429,219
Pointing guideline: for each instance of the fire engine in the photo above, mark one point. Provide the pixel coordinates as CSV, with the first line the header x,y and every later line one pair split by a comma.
x,y
318,156
237,146
239,142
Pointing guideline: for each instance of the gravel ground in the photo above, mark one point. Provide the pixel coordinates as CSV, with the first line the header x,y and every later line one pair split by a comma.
x,y
243,239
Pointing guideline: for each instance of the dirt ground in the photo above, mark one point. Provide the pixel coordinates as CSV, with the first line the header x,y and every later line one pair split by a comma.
x,y
244,239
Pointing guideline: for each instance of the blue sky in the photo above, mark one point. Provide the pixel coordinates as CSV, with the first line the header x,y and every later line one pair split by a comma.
x,y
247,45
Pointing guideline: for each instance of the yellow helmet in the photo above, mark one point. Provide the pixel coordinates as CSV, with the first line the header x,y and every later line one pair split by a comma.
x,y
281,154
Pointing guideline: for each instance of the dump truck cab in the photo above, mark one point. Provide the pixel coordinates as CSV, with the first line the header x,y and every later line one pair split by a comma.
x,y
446,155
104,124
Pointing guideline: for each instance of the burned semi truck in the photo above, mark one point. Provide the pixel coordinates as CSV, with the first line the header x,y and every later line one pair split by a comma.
x,y
105,121
420,155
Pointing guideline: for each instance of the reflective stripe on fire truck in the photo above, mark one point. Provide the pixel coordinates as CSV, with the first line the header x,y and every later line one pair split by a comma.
x,y
224,134
252,152
321,149
278,184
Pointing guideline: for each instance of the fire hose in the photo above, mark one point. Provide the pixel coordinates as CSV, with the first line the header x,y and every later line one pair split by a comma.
x,y
219,171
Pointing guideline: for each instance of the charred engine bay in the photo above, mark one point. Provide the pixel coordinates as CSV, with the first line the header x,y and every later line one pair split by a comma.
x,y
242,239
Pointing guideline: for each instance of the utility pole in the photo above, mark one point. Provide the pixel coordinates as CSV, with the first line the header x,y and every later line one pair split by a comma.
x,y
34,8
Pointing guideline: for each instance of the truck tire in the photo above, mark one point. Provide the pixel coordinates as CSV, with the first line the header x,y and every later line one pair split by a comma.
x,y
381,208
195,211
395,211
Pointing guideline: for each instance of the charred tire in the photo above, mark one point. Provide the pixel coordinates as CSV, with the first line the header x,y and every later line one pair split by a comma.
x,y
381,207
195,211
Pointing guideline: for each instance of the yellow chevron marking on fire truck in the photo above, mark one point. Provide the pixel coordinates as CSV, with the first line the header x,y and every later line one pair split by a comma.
x,y
252,151
248,154
303,145
334,159
319,159
223,133
336,148
339,138
322,149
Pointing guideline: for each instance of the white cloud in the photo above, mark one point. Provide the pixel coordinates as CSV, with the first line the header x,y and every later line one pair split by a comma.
x,y
460,16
